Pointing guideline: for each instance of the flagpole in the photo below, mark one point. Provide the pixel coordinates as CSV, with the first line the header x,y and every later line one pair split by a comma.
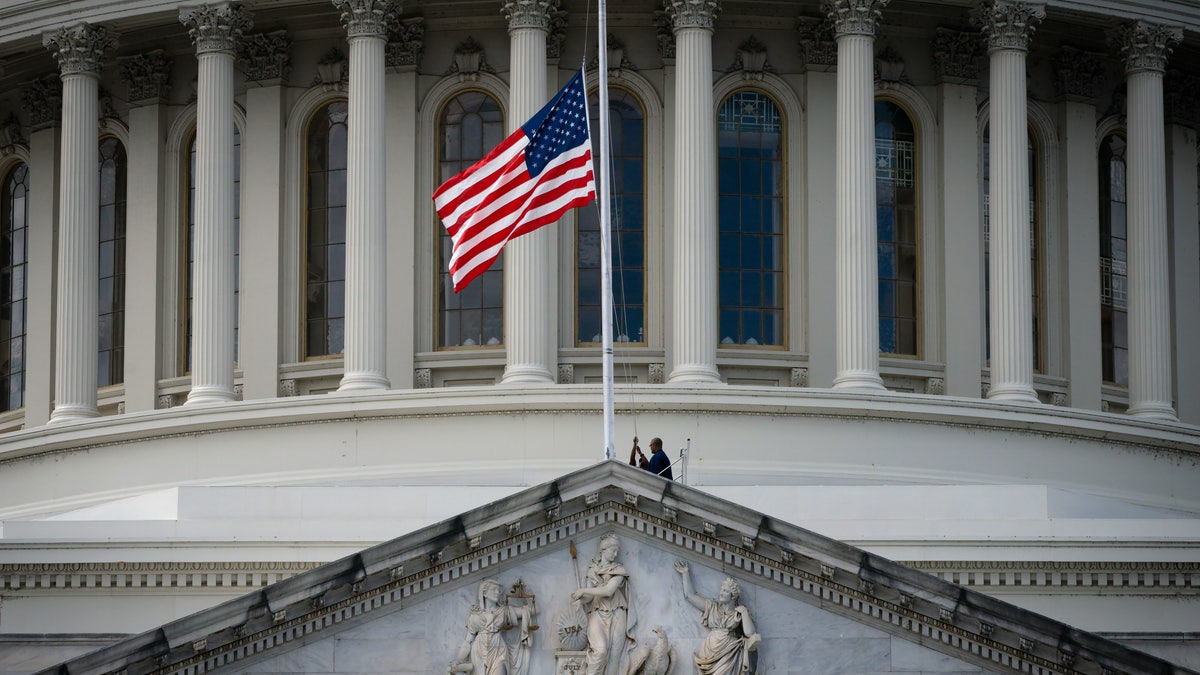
x,y
606,295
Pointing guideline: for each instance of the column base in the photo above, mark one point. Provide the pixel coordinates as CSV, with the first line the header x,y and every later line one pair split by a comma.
x,y
363,382
526,374
694,373
209,394
1155,410
1020,393
72,413
859,379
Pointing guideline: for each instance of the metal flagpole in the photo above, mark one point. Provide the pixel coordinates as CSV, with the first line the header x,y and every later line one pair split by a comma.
x,y
606,296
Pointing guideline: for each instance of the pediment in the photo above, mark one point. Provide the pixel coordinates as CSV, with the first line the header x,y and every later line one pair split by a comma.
x,y
820,606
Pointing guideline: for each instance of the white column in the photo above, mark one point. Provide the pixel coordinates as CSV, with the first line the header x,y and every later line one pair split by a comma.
x,y
79,50
1146,47
694,279
857,315
1185,248
1008,27
366,238
215,30
529,330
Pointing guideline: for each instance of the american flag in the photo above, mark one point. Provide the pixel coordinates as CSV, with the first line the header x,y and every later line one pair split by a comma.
x,y
534,176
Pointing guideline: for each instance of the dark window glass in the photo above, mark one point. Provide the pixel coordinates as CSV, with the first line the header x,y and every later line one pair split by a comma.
x,y
750,225
628,230
1114,280
896,173
325,246
113,169
470,125
14,228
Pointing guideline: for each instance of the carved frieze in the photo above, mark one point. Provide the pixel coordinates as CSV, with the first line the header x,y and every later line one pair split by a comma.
x,y
557,36
535,14
147,76
406,39
43,101
367,18
817,41
1008,25
1145,45
469,61
691,13
957,55
216,27
854,17
266,57
751,59
1078,74
79,48
665,34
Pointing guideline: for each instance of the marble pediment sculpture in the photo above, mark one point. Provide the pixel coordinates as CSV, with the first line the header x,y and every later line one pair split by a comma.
x,y
612,570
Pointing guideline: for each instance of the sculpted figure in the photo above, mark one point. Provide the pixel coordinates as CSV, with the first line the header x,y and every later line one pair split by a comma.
x,y
731,644
485,651
605,596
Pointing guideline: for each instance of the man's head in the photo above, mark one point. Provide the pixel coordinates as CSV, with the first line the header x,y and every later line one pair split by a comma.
x,y
655,444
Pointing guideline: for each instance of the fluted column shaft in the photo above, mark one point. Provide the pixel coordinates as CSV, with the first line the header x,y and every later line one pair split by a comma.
x,y
528,282
366,245
215,29
1146,48
694,338
79,50
857,251
1008,27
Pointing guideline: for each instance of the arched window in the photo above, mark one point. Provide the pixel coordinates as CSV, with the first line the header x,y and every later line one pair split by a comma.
x,y
113,168
628,163
325,234
1114,326
189,255
469,126
1035,237
751,221
14,228
896,171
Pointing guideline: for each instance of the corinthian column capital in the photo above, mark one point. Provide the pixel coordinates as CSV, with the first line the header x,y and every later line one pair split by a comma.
x,y
79,48
367,18
529,13
691,13
1006,24
854,17
216,27
1145,45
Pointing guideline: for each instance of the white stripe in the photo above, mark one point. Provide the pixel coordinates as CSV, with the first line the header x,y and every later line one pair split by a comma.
x,y
487,169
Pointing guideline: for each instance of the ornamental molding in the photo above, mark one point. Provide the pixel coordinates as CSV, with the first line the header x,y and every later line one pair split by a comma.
x,y
1145,46
566,373
1077,74
657,373
664,34
406,39
1181,98
147,76
216,28
889,67
854,17
957,55
686,14
367,18
469,61
332,73
10,134
422,378
529,14
266,57
935,386
799,377
557,36
751,60
1008,25
141,576
618,59
817,41
42,99
79,49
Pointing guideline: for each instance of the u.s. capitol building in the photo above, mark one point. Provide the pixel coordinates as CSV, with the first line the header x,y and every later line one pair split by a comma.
x,y
922,277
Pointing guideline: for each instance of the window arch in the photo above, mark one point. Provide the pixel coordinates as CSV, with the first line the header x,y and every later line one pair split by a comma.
x,y
751,217
113,167
14,229
469,125
1035,246
897,170
188,247
325,231
1114,327
627,139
